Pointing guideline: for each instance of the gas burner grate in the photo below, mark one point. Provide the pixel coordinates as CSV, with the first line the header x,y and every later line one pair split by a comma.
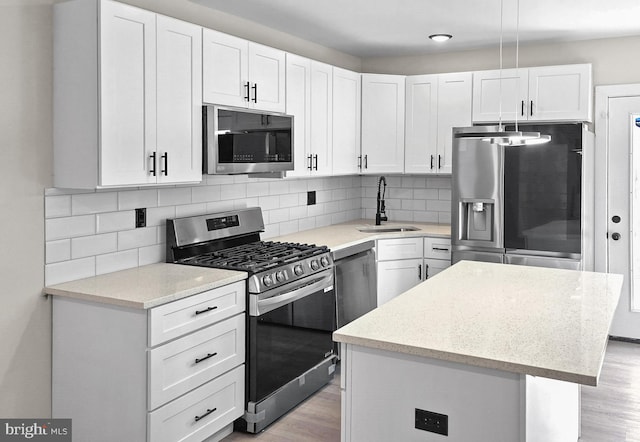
x,y
256,256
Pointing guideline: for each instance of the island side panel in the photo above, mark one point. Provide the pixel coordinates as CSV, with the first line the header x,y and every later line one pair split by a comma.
x,y
382,390
553,410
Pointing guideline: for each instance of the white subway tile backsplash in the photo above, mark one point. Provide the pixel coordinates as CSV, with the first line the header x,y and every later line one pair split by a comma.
x,y
83,222
151,254
157,216
133,239
112,262
135,199
205,194
191,210
84,204
233,191
56,251
69,270
57,206
116,221
70,227
94,245
172,196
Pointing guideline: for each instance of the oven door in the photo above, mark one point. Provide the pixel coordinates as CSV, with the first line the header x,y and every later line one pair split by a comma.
x,y
289,333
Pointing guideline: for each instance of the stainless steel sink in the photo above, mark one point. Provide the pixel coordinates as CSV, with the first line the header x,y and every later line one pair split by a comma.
x,y
378,229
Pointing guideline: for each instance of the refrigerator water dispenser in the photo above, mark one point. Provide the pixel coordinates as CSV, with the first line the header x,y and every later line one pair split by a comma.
x,y
477,220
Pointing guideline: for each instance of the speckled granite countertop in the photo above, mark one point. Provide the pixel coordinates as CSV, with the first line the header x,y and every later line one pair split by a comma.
x,y
341,236
542,322
147,286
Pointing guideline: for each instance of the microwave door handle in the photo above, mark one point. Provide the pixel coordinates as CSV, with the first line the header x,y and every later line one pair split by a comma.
x,y
274,302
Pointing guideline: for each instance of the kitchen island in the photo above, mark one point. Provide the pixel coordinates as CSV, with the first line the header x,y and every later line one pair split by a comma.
x,y
482,352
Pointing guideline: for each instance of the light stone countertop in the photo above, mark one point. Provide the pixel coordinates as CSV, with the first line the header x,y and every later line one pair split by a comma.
x,y
543,322
147,286
344,235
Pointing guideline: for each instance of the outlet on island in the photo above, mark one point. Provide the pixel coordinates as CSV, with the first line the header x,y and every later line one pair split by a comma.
x,y
432,422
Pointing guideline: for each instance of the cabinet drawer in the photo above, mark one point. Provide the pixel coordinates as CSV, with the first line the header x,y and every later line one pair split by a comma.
x,y
435,266
438,248
177,420
185,315
184,364
400,248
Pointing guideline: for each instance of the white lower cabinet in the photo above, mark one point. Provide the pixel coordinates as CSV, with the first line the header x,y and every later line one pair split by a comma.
x,y
172,372
405,262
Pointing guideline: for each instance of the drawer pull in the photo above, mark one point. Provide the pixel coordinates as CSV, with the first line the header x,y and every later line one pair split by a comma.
x,y
208,309
209,411
440,249
209,355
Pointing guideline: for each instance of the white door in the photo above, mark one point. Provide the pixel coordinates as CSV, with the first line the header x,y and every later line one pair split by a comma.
x,y
127,94
225,72
454,110
421,124
299,105
321,117
614,108
179,95
267,68
346,121
382,123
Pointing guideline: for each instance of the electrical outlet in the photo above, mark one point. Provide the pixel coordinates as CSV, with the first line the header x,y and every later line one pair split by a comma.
x,y
141,218
311,198
432,422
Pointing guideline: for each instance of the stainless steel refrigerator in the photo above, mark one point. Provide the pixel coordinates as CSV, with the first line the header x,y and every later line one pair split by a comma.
x,y
520,204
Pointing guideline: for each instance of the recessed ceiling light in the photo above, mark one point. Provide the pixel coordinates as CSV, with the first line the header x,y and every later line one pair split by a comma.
x,y
440,37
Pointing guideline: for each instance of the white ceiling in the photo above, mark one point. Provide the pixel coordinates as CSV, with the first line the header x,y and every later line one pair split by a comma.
x,y
371,28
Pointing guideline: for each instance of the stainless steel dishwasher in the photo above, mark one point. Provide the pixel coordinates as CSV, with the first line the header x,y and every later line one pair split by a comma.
x,y
355,281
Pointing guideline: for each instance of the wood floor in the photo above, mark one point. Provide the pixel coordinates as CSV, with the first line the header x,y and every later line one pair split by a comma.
x,y
610,412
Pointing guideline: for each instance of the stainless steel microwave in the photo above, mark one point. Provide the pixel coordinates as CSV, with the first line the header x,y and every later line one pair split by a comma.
x,y
238,141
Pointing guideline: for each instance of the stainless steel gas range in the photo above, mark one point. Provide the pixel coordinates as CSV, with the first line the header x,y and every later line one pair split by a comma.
x,y
291,306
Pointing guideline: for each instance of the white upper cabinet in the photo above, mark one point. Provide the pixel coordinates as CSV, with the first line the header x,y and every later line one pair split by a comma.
x,y
382,123
547,93
560,93
346,121
309,100
434,105
127,97
240,73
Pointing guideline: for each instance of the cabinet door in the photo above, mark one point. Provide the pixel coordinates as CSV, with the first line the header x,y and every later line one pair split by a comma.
x,y
382,123
396,277
225,69
179,99
560,93
321,117
454,110
299,105
495,92
421,124
434,266
346,121
267,77
127,94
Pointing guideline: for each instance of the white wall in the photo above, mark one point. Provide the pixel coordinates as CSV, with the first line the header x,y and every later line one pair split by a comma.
x,y
615,60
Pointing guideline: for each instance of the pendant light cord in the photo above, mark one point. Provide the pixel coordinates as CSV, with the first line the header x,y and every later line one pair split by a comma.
x,y
517,56
500,82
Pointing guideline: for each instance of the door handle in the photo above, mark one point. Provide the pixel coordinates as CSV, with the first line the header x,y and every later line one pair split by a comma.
x,y
315,157
439,161
531,109
165,157
431,162
365,161
360,162
152,171
522,108
615,236
247,88
426,271
255,92
310,167
419,272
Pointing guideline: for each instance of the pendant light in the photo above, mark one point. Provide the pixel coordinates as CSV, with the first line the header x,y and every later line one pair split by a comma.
x,y
514,137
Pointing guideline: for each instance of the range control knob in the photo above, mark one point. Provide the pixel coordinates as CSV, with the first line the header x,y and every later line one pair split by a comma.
x,y
315,265
280,276
267,280
298,270
324,261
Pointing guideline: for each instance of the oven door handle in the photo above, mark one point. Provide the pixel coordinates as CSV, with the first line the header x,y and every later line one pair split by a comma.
x,y
258,307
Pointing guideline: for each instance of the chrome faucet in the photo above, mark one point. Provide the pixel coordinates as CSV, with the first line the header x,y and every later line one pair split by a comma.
x,y
380,213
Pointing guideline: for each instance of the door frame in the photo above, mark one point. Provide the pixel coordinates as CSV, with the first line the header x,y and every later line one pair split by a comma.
x,y
602,96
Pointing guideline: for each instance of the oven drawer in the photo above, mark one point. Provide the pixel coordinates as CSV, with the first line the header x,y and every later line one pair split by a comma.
x,y
185,315
177,420
184,364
